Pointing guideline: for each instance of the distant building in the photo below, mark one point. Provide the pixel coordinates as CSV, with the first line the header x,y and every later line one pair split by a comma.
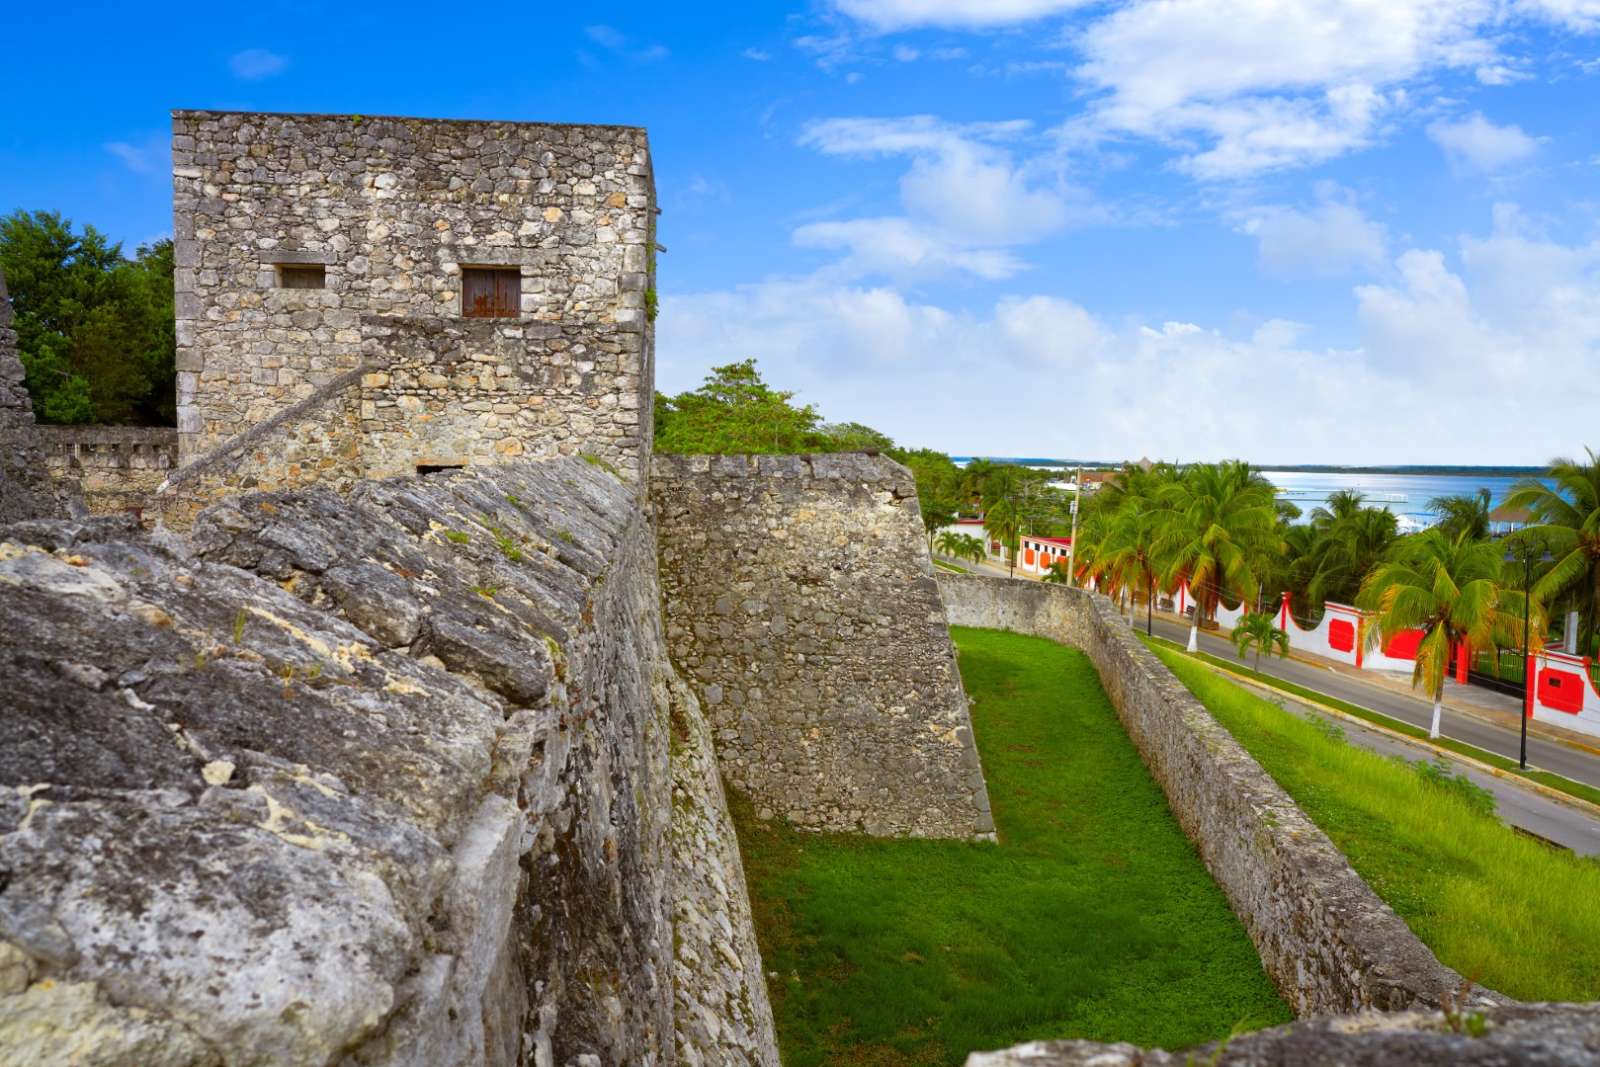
x,y
1504,520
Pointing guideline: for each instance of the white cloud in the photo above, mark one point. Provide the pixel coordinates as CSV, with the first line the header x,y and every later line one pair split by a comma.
x,y
890,15
1327,240
905,53
901,249
615,41
253,64
1478,144
1507,343
134,159
1267,86
1582,16
152,155
757,54
965,199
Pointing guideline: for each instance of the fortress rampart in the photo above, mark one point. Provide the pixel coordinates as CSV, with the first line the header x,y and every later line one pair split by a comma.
x,y
801,606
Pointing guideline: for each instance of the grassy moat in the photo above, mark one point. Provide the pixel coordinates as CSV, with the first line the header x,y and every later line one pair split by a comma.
x,y
1092,918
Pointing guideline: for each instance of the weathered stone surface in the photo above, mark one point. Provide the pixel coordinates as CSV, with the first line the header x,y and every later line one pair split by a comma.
x,y
393,210
801,606
26,491
1522,1035
385,779
1326,939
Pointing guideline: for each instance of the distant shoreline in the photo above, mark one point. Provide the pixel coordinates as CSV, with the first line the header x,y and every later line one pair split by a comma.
x,y
1301,468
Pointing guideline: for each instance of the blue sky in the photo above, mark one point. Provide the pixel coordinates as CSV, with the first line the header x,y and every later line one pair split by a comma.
x,y
1320,231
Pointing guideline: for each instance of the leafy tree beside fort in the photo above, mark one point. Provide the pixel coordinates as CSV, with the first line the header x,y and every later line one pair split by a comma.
x,y
94,328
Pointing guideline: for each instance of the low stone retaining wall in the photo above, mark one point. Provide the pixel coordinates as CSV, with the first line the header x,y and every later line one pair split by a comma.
x,y
117,467
1326,939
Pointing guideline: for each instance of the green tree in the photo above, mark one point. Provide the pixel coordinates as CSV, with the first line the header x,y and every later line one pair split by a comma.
x,y
1449,588
1257,629
1567,520
1128,527
1345,552
1219,534
736,412
94,328
1463,513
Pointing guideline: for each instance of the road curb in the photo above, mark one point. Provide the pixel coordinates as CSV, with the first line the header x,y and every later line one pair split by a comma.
x,y
1590,809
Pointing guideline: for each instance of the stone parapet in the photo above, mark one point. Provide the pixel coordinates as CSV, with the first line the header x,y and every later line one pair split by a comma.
x,y
801,606
117,467
1328,942
398,777
1521,1035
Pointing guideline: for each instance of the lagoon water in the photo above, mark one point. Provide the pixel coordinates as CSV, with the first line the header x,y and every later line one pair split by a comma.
x,y
1405,493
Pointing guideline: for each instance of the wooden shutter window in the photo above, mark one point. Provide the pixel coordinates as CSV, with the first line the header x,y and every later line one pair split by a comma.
x,y
491,293
302,276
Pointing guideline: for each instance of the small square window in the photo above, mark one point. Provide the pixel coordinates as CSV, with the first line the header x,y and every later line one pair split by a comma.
x,y
491,293
302,276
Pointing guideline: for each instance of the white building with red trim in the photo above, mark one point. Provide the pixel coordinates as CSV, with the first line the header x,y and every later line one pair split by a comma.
x,y
1037,555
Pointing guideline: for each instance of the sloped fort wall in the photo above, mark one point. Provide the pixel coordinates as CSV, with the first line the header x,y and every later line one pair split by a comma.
x,y
398,777
1329,944
801,606
388,213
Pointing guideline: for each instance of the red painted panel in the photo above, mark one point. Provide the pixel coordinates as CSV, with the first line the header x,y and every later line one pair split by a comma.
x,y
1341,635
1027,558
1561,690
1404,644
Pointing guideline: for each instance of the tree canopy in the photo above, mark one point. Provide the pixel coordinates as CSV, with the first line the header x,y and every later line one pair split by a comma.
x,y
94,328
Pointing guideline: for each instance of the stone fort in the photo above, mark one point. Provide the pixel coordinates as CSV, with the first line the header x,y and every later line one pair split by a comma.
x,y
399,730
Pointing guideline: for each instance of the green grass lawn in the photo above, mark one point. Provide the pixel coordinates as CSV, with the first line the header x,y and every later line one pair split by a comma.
x,y
951,567
1092,918
1514,914
1554,781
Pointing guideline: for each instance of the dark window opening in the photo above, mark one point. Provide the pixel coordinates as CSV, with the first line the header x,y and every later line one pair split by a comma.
x,y
491,293
302,276
424,469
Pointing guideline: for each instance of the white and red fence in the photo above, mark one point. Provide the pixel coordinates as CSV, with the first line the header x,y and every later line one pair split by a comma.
x,y
1563,691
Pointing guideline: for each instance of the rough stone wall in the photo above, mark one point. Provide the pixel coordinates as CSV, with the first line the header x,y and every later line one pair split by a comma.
x,y
800,605
1326,939
379,779
26,491
315,441
117,467
1522,1035
392,209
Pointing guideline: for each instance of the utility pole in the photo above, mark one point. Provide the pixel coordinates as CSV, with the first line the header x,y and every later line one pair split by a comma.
x,y
1072,545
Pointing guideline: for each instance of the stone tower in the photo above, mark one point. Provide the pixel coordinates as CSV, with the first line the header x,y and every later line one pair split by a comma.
x,y
424,293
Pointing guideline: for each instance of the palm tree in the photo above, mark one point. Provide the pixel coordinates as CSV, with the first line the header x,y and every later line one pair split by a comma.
x,y
1346,551
1057,574
1568,519
1002,516
1464,512
1258,629
1218,532
1126,538
1449,588
1342,503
